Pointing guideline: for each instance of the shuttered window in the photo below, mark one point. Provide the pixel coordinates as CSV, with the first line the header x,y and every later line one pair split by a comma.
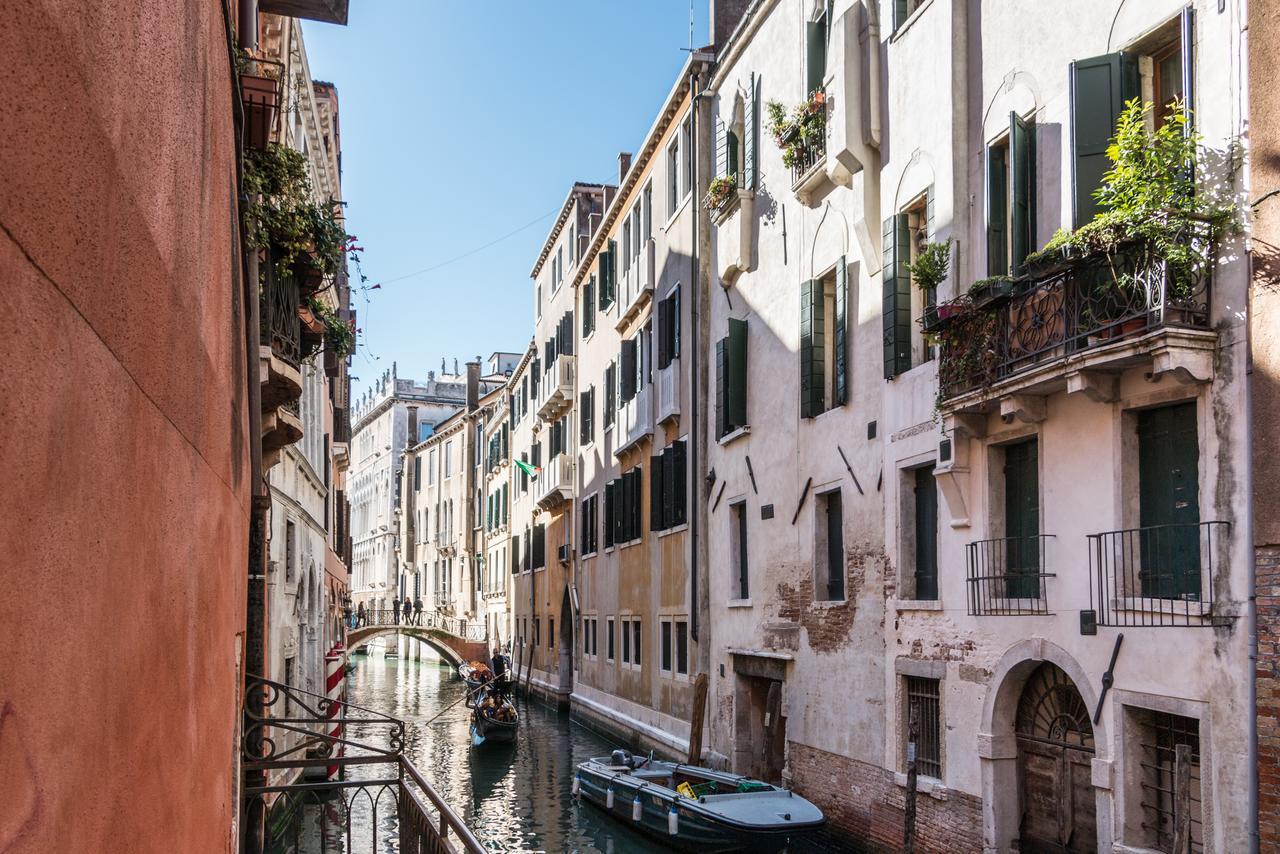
x,y
896,313
627,361
731,379
668,487
669,329
609,489
816,52
588,306
610,395
587,416
902,10
590,524
539,556
607,272
656,496
1022,178
997,208
1099,87
750,121
812,344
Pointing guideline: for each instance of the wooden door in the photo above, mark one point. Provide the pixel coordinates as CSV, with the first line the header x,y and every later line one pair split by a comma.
x,y
1055,751
1022,519
1169,501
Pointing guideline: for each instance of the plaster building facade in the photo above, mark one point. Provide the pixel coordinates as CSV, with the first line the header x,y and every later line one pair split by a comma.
x,y
1088,485
795,519
546,441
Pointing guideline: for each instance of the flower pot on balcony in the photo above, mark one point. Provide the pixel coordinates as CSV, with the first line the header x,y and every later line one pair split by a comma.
x,y
261,98
310,323
936,316
331,363
987,291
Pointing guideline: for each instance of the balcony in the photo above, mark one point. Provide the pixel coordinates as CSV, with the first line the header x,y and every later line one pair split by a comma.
x,y
555,392
668,392
1006,576
637,284
1162,575
555,484
1076,325
635,420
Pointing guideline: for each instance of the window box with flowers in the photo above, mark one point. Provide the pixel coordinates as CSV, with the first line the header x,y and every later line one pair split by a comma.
x,y
721,195
801,134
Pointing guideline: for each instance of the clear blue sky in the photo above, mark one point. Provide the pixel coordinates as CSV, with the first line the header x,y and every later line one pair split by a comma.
x,y
459,127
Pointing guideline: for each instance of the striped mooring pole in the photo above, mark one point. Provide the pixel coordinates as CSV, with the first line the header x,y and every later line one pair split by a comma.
x,y
335,664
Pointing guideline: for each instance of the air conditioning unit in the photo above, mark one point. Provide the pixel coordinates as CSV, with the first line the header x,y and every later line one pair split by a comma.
x,y
564,552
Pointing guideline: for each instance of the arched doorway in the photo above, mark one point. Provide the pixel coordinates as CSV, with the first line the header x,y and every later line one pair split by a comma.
x,y
1055,755
566,644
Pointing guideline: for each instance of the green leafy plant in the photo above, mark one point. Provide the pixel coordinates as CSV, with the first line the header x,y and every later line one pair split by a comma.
x,y
719,192
931,265
283,216
339,334
802,132
983,285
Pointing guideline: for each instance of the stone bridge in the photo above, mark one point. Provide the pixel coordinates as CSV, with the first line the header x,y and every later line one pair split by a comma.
x,y
456,640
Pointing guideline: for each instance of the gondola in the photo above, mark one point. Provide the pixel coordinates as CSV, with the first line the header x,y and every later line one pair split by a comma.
x,y
693,808
494,720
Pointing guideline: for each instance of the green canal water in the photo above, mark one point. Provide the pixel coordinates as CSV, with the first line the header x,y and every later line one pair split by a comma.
x,y
515,798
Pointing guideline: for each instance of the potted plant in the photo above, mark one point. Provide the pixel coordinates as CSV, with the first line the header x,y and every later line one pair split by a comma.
x,y
936,316
801,134
259,96
990,289
720,192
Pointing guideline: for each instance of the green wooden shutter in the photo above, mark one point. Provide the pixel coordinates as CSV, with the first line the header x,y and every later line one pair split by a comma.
x,y
609,514
896,311
815,55
1022,170
722,147
656,486
588,306
900,13
1099,87
840,355
812,347
722,387
737,363
997,210
679,476
750,119
926,530
1169,502
627,361
734,155
1022,520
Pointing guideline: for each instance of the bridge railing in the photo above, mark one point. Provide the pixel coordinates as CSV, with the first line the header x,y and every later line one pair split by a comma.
x,y
366,786
468,630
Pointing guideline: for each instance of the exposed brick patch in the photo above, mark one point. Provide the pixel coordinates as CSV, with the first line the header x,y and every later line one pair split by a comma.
x,y
864,802
828,624
1267,588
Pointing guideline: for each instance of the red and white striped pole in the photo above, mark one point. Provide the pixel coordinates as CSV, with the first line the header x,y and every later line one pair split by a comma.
x,y
335,664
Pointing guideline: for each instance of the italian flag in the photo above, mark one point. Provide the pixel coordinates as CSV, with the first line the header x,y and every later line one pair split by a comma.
x,y
532,471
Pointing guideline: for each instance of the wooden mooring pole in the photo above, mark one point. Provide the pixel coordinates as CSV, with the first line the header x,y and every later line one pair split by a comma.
x,y
1182,799
909,812
695,720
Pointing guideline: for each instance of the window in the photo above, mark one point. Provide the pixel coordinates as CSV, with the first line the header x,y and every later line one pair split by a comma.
x,y
1158,737
824,342
608,639
551,632
622,519
666,646
1021,486
626,639
731,379
1169,503
630,628
589,307
587,416
816,52
686,150
924,695
673,178
1011,184
610,394
537,299
607,272
537,631
635,641
668,478
589,647
539,546
448,460
626,243
417,471
590,524
290,549
629,373
682,647
738,549
669,329
573,245
905,235
828,553
646,228
926,534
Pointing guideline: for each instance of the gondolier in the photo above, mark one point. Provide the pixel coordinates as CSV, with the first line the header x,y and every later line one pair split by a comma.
x,y
498,664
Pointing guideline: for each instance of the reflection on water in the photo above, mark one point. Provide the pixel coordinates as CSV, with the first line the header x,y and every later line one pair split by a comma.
x,y
515,797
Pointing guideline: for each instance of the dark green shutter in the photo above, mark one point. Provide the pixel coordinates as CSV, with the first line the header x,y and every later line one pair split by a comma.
x,y
680,483
1169,502
722,148
896,315
722,387
840,355
815,55
610,513
997,210
655,493
627,361
735,161
926,501
812,344
750,119
737,363
1099,87
1022,170
900,13
1022,520
835,546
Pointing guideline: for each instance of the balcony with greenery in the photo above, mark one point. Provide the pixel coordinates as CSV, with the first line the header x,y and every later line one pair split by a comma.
x,y
1131,287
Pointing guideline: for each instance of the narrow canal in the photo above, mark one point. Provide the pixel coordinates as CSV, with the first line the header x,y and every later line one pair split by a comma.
x,y
515,798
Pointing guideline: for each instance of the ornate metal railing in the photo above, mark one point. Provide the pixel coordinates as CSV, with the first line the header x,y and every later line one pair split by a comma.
x,y
1161,575
1006,576
1074,306
368,795
807,156
280,327
468,630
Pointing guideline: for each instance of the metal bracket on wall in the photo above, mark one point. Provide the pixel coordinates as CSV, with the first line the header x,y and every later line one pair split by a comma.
x,y
803,495
850,468
1108,679
880,479
723,484
751,473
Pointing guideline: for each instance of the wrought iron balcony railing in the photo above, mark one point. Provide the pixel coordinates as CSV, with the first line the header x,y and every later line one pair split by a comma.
x,y
1076,305
280,327
1006,576
368,795
1161,575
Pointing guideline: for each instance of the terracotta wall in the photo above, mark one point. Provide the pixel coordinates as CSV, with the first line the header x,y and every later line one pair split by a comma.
x,y
124,517
1264,379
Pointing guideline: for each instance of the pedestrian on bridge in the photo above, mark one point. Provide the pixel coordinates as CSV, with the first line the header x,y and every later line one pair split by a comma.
x,y
361,618
408,610
417,611
395,610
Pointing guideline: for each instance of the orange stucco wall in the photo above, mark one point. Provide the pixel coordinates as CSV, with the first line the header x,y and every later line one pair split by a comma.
x,y
125,460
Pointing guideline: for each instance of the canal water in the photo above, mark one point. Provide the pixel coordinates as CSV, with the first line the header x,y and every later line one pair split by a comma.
x,y
515,798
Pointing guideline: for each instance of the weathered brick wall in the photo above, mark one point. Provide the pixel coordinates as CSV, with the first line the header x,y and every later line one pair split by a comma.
x,y
864,802
1268,675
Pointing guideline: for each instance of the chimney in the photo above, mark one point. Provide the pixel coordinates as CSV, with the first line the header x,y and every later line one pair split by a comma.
x,y
473,386
413,426
725,15
624,165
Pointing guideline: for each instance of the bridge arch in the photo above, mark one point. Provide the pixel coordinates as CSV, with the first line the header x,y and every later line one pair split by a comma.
x,y
450,647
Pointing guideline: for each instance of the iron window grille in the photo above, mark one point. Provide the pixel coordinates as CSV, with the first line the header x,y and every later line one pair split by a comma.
x,y
924,694
1161,734
1160,575
1006,576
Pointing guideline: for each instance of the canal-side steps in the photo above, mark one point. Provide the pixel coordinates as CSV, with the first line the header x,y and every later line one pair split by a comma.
x,y
324,775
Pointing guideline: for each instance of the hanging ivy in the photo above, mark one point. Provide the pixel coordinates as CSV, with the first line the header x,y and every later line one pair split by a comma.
x,y
282,214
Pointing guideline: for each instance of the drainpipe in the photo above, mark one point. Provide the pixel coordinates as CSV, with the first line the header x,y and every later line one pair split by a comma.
x,y
1251,609
695,415
873,72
